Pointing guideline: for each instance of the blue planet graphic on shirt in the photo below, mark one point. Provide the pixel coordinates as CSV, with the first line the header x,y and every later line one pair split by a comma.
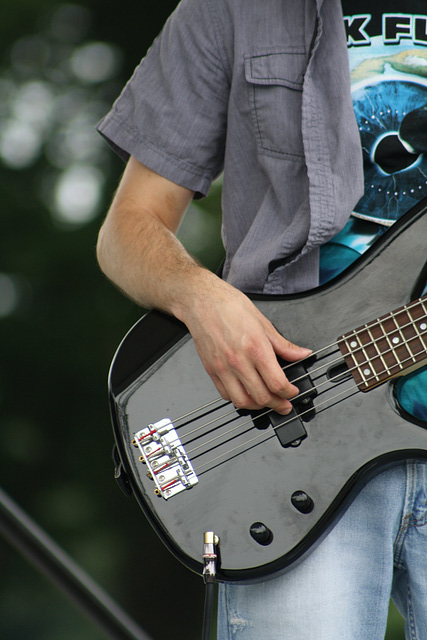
x,y
380,108
389,93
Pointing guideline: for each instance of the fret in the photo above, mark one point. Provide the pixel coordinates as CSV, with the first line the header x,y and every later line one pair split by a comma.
x,y
421,322
385,345
388,346
355,358
371,337
416,329
384,363
395,337
419,326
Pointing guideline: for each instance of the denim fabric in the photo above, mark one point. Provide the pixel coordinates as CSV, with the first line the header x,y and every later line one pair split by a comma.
x,y
341,590
259,90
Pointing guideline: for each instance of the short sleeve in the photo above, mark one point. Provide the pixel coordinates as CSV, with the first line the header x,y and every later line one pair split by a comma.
x,y
172,114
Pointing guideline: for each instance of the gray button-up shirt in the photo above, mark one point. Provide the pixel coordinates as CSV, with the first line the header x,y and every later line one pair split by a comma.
x,y
258,89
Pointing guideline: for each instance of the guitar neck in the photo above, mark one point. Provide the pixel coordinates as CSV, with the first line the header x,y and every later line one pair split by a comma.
x,y
387,347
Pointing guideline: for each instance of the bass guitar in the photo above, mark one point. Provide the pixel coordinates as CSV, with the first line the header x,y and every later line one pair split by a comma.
x,y
271,486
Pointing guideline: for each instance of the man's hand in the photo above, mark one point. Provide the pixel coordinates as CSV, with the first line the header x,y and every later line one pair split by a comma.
x,y
239,346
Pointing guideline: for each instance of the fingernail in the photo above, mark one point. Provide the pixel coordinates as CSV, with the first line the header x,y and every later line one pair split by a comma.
x,y
286,409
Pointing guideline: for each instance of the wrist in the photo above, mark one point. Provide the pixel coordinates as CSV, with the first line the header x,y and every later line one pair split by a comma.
x,y
199,288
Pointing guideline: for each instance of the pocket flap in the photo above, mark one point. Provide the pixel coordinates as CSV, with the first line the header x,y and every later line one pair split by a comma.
x,y
285,68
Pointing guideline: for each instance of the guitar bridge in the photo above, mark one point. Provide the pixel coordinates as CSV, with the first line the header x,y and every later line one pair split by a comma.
x,y
167,462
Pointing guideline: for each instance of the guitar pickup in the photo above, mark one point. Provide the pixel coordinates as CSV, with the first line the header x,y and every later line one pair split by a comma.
x,y
167,462
290,429
299,376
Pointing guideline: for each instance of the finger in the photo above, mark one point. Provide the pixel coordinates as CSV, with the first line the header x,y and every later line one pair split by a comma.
x,y
282,346
254,379
286,349
246,388
221,388
275,380
292,352
252,392
235,391
263,374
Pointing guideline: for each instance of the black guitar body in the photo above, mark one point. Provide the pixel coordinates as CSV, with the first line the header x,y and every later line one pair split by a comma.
x,y
268,500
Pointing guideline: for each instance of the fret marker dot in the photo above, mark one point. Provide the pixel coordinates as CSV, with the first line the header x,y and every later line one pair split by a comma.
x,y
396,340
353,344
423,326
366,372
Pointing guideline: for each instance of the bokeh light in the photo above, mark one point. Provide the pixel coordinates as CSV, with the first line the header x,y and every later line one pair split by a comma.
x,y
56,89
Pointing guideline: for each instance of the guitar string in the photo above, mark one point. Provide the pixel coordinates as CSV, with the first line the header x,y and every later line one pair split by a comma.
x,y
252,426
257,440
333,379
287,366
263,413
419,335
355,333
267,411
248,422
233,410
397,329
260,438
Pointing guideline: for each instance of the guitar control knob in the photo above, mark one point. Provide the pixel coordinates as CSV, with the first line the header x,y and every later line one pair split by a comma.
x,y
302,501
261,534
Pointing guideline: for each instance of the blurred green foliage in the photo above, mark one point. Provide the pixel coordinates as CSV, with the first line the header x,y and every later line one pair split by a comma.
x,y
61,321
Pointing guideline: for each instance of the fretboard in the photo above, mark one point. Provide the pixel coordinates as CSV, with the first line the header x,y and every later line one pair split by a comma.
x,y
387,347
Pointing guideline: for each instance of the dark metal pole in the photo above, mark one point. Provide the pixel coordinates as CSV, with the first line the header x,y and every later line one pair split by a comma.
x,y
24,534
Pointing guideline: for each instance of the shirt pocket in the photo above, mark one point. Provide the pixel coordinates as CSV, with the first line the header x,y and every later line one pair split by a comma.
x,y
275,83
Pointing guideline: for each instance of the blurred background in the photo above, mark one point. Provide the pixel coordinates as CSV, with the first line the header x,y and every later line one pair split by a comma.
x,y
61,66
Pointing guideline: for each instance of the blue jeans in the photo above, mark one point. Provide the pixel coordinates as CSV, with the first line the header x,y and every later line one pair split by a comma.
x,y
341,591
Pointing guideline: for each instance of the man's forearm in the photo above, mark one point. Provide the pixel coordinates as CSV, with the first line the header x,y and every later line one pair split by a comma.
x,y
146,261
137,247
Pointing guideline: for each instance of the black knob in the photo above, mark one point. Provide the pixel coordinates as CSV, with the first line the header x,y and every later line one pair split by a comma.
x,y
302,501
261,534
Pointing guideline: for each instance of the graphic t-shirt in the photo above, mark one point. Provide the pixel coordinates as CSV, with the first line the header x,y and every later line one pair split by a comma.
x,y
387,46
387,49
